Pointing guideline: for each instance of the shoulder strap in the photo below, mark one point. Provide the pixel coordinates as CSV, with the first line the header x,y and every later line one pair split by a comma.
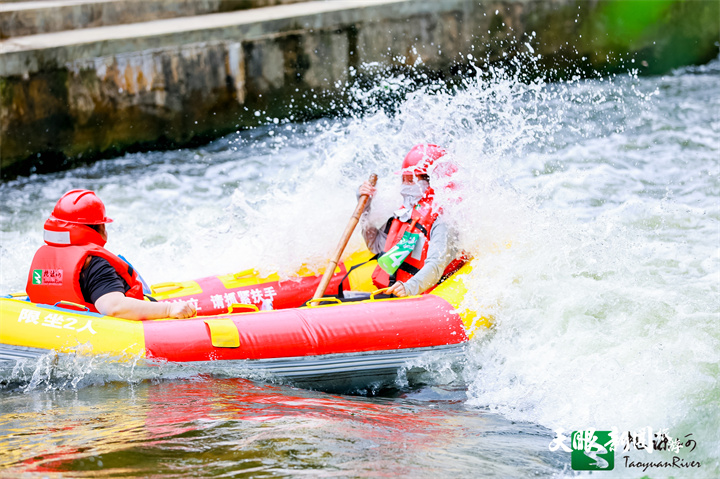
x,y
340,286
388,225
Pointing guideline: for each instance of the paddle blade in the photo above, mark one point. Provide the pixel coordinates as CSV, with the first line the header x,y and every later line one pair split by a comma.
x,y
391,261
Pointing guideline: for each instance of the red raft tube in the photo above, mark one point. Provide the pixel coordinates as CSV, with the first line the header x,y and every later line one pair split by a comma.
x,y
217,294
328,344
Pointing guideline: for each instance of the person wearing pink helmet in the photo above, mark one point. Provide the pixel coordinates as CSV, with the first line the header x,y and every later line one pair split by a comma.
x,y
433,256
74,266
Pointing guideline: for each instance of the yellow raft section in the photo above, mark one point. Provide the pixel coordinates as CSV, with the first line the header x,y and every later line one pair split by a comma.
x,y
55,328
47,327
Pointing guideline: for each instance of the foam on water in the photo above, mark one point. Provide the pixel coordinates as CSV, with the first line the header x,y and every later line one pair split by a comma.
x,y
607,300
590,207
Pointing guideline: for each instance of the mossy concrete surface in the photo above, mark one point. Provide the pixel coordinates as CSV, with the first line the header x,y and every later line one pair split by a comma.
x,y
31,17
90,93
653,36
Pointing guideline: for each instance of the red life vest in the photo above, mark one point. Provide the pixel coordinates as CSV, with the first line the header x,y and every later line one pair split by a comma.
x,y
395,230
55,270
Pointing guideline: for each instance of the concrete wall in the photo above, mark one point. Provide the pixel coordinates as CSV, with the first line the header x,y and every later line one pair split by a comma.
x,y
90,93
22,18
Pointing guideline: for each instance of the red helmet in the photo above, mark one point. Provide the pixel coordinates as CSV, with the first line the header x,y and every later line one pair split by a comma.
x,y
442,174
419,159
81,207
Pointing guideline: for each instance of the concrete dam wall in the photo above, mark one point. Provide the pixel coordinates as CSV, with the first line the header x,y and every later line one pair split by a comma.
x,y
85,80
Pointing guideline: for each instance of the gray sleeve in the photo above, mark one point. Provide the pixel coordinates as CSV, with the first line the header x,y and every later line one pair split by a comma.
x,y
441,251
374,237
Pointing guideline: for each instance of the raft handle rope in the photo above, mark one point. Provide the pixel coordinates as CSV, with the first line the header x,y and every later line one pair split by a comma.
x,y
330,299
71,305
377,291
251,307
246,273
165,287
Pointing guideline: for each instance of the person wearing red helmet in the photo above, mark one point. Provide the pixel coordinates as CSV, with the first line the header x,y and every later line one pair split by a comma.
x,y
434,252
74,266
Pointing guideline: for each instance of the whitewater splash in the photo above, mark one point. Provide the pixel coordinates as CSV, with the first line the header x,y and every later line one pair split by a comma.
x,y
590,208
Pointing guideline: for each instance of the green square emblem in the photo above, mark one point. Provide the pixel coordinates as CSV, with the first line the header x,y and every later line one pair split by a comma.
x,y
37,276
592,451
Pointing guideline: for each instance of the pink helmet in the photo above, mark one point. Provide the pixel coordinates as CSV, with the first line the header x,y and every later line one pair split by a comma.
x,y
80,207
419,159
442,174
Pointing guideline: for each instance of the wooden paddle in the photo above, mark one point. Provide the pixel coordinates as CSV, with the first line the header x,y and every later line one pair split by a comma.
x,y
362,201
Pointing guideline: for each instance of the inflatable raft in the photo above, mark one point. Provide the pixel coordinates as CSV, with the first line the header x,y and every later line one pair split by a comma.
x,y
326,343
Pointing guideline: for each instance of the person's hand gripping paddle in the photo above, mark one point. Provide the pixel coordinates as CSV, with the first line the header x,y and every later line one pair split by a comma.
x,y
330,270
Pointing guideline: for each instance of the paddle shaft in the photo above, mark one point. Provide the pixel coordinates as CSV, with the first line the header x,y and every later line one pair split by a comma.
x,y
325,281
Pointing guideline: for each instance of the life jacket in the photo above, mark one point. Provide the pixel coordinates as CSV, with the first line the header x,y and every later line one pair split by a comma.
x,y
395,229
55,270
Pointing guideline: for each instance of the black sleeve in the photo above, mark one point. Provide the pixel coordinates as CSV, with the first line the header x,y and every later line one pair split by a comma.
x,y
99,278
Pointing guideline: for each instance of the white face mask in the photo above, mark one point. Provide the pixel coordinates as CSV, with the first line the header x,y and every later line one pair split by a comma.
x,y
413,193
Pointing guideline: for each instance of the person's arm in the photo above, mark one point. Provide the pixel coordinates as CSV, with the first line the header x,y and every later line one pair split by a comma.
x,y
374,237
120,306
441,251
104,288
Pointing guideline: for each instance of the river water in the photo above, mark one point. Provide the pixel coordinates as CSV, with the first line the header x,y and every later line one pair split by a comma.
x,y
591,208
